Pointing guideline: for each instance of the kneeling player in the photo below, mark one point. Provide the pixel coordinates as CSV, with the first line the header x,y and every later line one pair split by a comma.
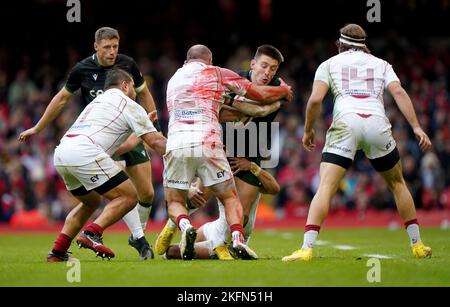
x,y
213,236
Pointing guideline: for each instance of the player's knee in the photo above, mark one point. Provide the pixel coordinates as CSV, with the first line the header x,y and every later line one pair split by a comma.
x,y
395,181
147,198
129,199
146,194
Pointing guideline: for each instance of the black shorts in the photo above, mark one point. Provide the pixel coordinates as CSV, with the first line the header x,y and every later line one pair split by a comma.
x,y
381,164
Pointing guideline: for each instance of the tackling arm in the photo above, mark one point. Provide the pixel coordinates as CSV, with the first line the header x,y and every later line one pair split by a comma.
x,y
240,108
129,144
268,182
268,94
156,141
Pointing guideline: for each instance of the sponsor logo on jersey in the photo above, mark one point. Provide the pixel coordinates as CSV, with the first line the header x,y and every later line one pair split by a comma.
x,y
94,178
187,114
388,145
221,174
95,93
360,94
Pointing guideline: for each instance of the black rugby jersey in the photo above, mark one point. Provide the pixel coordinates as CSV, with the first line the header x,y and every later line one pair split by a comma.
x,y
90,76
247,176
257,120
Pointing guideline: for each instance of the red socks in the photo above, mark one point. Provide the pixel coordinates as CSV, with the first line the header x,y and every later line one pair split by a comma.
x,y
95,229
312,227
237,227
62,243
410,222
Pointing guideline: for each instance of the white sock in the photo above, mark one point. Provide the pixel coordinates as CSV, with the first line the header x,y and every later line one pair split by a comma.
x,y
134,224
309,238
413,233
184,224
144,214
237,237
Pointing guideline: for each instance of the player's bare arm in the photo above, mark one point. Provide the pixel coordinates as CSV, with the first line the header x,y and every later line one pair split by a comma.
x,y
156,141
146,99
129,144
406,107
268,182
196,194
313,109
53,109
268,94
242,108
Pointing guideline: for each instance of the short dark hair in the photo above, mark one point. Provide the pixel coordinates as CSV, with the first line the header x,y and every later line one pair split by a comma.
x,y
115,77
270,51
106,33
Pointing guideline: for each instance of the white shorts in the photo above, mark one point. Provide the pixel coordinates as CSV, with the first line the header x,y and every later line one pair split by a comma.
x,y
352,132
182,165
90,176
218,231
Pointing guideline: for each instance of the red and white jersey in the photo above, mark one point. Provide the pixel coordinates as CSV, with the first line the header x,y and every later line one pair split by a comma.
x,y
194,96
357,80
102,127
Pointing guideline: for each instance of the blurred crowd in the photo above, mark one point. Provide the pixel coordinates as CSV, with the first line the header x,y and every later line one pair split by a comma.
x,y
31,188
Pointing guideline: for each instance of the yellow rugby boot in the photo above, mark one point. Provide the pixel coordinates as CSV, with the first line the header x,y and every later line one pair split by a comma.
x,y
421,251
165,238
223,253
303,254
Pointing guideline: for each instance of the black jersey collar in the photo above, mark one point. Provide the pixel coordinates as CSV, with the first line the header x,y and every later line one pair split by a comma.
x,y
95,59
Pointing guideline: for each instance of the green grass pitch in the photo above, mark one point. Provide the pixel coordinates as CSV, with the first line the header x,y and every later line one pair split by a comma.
x,y
341,259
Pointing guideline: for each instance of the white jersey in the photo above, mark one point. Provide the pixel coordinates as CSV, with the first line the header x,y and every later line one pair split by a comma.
x,y
194,95
102,127
357,80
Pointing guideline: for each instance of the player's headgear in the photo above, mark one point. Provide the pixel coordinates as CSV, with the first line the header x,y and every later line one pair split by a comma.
x,y
352,36
358,42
